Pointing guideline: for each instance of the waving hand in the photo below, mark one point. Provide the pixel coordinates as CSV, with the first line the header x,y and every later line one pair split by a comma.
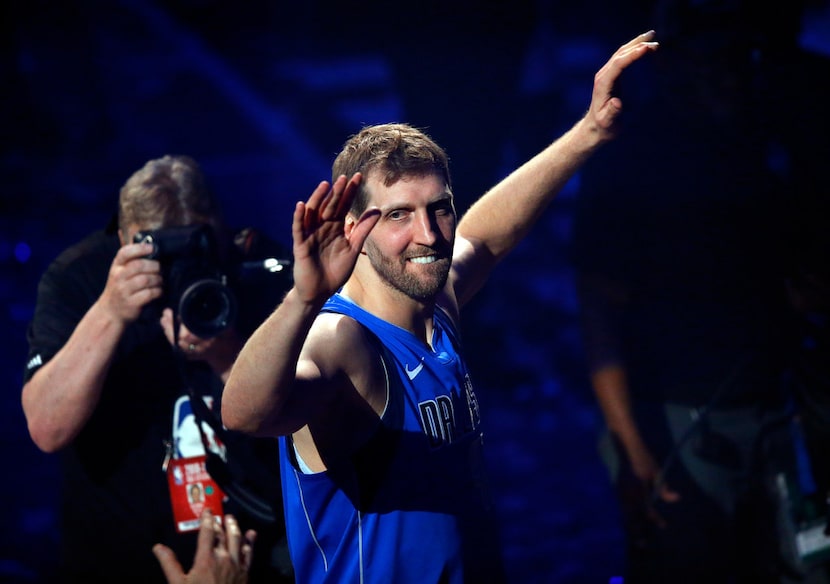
x,y
605,106
324,256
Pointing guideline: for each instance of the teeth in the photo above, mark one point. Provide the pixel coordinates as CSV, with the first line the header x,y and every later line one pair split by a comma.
x,y
422,260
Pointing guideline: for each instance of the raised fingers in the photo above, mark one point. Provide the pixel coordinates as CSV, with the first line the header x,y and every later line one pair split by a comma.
x,y
233,537
641,38
206,538
329,202
247,552
630,52
310,209
341,199
605,106
170,565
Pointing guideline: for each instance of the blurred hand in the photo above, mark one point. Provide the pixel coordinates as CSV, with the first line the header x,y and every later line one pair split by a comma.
x,y
219,352
223,555
639,486
133,281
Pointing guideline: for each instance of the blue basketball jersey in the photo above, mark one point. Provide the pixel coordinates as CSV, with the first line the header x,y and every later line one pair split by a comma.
x,y
413,505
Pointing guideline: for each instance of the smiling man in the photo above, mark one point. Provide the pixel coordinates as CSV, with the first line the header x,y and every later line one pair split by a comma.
x,y
360,371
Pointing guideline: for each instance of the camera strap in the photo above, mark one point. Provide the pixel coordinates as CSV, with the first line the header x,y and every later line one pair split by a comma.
x,y
217,464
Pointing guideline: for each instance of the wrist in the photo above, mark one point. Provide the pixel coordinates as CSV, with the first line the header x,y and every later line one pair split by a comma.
x,y
308,307
588,135
107,319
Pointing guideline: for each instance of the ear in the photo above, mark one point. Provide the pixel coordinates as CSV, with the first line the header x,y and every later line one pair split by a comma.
x,y
121,236
348,227
349,224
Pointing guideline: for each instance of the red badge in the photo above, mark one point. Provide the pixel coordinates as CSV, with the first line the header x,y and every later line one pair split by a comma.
x,y
191,490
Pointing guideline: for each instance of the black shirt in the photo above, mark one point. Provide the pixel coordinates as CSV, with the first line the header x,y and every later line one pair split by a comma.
x,y
115,500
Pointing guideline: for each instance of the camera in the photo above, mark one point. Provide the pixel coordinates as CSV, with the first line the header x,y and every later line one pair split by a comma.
x,y
194,285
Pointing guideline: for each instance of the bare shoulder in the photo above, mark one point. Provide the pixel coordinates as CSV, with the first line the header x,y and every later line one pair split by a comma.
x,y
339,353
345,354
336,339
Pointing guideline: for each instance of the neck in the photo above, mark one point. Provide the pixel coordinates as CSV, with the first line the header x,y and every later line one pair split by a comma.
x,y
392,306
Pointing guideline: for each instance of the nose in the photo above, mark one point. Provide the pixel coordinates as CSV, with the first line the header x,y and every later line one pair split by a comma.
x,y
425,229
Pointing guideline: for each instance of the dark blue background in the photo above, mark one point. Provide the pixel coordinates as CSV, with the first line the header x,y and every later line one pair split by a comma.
x,y
263,95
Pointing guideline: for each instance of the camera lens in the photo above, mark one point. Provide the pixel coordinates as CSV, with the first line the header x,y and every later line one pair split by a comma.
x,y
207,308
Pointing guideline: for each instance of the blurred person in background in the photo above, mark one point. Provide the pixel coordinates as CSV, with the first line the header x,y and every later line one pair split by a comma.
x,y
683,243
131,341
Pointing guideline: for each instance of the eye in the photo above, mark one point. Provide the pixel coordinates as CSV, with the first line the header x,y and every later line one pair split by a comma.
x,y
397,214
443,208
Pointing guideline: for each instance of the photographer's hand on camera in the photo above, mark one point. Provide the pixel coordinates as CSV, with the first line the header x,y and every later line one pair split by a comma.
x,y
218,352
132,283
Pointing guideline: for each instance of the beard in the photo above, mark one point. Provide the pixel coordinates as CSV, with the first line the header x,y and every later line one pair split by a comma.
x,y
422,286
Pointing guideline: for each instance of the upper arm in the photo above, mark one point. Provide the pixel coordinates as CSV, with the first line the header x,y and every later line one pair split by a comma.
x,y
472,264
341,390
61,303
338,355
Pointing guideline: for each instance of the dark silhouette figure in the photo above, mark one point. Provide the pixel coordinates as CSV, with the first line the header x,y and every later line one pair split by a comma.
x,y
684,242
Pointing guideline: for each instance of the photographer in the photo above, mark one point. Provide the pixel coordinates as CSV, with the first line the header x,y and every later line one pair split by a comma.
x,y
111,372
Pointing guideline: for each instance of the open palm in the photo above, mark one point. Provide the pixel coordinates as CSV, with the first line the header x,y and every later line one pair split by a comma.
x,y
324,256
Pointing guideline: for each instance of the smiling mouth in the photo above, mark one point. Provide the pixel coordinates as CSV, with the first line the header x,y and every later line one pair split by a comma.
x,y
423,259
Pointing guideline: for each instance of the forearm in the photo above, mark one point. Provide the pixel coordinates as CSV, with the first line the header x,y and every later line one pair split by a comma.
x,y
223,353
504,215
262,377
611,388
60,398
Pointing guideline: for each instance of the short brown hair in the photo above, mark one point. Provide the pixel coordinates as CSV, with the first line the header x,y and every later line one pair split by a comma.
x,y
395,150
167,192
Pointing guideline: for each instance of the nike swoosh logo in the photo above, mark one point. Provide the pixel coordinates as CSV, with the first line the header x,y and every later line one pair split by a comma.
x,y
412,373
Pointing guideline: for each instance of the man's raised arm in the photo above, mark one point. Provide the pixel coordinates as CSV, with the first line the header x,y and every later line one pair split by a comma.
x,y
496,223
259,396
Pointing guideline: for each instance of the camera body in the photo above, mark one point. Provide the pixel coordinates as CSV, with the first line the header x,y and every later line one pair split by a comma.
x,y
194,285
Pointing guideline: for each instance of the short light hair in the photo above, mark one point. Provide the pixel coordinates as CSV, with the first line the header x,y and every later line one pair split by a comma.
x,y
167,192
395,150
